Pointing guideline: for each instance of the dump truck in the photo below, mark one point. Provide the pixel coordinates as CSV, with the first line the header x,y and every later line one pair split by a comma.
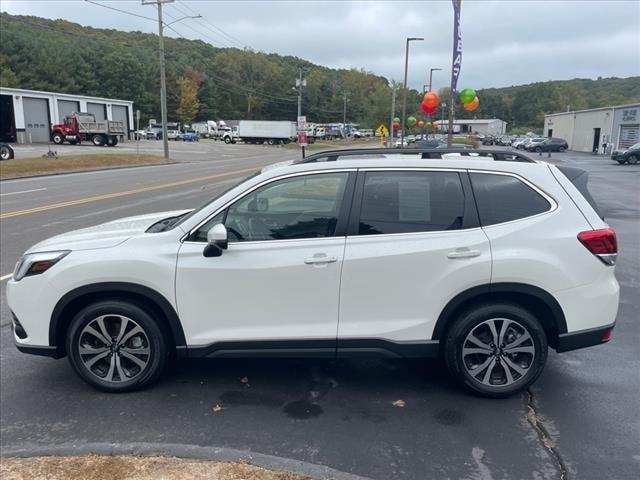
x,y
83,127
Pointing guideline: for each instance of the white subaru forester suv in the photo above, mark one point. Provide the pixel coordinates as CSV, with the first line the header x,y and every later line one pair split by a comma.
x,y
484,257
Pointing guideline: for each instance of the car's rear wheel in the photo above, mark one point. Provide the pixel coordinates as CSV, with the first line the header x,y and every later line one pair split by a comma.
x,y
561,149
538,150
633,159
496,350
98,140
116,346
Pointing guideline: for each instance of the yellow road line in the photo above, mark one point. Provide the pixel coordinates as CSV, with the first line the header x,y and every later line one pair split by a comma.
x,y
107,196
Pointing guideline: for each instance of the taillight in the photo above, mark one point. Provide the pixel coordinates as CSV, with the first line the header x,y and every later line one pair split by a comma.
x,y
602,243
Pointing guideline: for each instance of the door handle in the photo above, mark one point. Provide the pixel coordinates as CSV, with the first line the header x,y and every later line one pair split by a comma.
x,y
319,258
463,253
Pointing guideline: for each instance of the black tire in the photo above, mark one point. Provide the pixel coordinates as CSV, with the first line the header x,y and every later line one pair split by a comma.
x,y
152,336
227,140
621,162
477,319
6,152
632,159
271,141
57,138
538,150
561,149
112,141
98,140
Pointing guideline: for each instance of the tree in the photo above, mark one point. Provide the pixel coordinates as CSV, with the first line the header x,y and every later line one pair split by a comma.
x,y
188,88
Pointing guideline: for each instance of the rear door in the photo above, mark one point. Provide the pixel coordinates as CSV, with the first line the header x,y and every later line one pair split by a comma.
x,y
414,243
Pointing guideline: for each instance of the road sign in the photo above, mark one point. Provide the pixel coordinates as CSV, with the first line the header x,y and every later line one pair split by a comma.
x,y
302,123
302,139
382,131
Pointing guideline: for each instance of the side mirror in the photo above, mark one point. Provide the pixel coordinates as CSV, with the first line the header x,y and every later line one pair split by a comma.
x,y
217,241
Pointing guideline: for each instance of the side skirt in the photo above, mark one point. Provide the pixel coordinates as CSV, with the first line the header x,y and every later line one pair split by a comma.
x,y
329,348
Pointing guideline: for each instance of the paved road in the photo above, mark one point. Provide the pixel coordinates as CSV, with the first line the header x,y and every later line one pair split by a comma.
x,y
338,414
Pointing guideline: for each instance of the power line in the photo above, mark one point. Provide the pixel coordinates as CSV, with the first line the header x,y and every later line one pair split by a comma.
x,y
121,11
213,41
215,27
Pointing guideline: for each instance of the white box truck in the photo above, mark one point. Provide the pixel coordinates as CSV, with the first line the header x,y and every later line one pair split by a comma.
x,y
261,131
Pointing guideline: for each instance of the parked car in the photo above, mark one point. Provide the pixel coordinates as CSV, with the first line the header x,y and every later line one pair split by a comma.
x,y
630,155
6,151
154,133
173,134
547,145
488,140
274,266
519,143
190,136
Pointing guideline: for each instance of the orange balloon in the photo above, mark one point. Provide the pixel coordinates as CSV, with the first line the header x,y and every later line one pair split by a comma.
x,y
421,123
472,105
431,100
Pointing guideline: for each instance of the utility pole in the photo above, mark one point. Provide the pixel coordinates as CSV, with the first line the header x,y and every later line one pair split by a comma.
x,y
404,91
163,79
344,115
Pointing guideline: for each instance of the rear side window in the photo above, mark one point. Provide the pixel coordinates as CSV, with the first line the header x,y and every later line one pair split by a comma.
x,y
404,202
503,198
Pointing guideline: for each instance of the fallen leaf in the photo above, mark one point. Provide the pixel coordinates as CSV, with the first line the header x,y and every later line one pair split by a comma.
x,y
398,403
216,408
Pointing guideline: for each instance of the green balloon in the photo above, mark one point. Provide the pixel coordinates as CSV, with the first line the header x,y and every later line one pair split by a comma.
x,y
411,121
467,95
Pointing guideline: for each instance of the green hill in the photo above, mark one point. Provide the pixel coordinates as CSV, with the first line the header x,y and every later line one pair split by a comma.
x,y
57,55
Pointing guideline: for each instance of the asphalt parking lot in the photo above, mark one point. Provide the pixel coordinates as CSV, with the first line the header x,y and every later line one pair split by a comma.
x,y
579,421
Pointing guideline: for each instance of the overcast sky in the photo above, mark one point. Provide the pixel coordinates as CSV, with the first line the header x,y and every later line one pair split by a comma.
x,y
507,42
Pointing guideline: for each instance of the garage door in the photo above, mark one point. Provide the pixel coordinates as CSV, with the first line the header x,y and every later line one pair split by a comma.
x,y
36,118
67,107
119,114
629,135
98,110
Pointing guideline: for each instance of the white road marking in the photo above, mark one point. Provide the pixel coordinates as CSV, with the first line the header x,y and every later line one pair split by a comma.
x,y
23,191
6,277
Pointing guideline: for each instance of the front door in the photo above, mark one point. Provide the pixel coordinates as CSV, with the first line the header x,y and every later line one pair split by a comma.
x,y
277,285
414,245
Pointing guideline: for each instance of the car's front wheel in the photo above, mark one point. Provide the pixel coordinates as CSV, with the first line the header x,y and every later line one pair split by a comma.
x,y
633,159
116,346
496,350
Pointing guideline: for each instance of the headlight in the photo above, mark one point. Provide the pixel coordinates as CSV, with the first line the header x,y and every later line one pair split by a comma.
x,y
37,263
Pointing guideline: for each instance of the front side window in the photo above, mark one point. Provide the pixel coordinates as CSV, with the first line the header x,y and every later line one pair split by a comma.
x,y
503,198
404,202
292,208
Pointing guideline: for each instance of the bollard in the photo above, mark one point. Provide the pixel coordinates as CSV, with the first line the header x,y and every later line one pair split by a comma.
x,y
549,154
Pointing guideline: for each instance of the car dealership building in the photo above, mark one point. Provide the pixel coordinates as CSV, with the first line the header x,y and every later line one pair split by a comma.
x,y
596,130
26,116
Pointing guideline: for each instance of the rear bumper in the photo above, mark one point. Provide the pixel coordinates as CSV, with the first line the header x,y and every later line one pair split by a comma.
x,y
584,338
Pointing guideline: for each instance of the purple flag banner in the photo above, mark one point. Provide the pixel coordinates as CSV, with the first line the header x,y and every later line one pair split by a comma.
x,y
457,46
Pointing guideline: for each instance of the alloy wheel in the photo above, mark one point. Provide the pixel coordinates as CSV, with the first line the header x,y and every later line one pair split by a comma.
x,y
498,352
114,348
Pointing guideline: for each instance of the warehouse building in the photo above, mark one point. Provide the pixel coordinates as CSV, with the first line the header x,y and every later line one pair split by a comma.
x,y
26,116
597,130
490,126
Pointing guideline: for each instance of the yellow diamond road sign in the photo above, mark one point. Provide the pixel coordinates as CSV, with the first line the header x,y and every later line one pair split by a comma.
x,y
382,131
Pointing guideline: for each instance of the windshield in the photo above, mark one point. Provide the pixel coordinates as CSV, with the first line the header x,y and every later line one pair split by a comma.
x,y
193,212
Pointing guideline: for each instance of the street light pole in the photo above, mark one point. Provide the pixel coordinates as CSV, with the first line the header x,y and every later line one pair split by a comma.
x,y
393,112
404,91
431,76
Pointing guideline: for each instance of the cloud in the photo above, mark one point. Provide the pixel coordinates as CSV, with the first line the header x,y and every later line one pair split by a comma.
x,y
505,42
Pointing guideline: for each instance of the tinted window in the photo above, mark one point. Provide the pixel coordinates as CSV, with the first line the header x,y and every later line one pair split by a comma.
x,y
298,207
502,198
402,202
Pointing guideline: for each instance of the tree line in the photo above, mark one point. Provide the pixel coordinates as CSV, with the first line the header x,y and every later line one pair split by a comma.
x,y
209,83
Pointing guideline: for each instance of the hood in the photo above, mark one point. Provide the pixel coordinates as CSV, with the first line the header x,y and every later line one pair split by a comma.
x,y
105,235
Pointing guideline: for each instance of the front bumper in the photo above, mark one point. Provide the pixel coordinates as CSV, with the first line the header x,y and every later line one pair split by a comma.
x,y
584,338
43,351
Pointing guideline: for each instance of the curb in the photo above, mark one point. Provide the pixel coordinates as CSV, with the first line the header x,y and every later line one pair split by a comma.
x,y
220,454
91,170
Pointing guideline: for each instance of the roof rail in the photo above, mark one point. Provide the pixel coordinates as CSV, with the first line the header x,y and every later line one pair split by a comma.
x,y
426,153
